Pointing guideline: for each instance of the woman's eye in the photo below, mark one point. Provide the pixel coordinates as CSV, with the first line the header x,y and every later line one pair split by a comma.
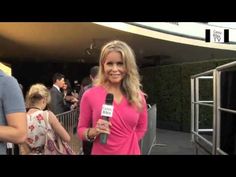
x,y
120,63
109,64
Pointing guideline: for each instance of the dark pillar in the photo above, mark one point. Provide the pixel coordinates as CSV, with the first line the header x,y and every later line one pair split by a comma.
x,y
228,120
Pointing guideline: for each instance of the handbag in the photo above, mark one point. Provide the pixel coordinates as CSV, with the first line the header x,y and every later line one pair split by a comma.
x,y
54,145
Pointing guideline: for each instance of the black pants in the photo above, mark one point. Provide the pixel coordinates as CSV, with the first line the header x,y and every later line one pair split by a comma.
x,y
87,147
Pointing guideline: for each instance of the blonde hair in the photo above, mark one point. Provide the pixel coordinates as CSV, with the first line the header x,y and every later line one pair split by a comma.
x,y
131,83
36,93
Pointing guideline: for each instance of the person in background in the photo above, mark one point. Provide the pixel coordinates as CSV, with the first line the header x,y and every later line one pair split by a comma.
x,y
76,88
69,98
118,75
92,76
57,104
85,82
87,146
12,112
37,98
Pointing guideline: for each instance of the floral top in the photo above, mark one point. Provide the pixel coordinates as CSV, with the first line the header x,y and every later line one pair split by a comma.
x,y
36,128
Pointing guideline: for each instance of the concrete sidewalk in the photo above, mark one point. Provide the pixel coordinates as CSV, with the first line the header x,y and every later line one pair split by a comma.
x,y
177,143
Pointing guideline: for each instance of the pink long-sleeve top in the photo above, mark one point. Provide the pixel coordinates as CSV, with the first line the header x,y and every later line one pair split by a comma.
x,y
128,123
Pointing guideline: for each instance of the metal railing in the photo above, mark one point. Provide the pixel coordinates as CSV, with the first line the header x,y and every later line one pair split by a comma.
x,y
150,139
215,104
69,121
195,103
218,108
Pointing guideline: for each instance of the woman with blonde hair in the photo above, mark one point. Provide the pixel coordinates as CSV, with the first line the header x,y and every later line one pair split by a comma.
x,y
118,75
38,118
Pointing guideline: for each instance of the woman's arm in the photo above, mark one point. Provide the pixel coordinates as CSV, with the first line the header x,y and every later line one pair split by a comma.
x,y
58,128
85,117
142,122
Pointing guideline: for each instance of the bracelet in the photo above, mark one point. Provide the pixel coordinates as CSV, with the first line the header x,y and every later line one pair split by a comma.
x,y
87,136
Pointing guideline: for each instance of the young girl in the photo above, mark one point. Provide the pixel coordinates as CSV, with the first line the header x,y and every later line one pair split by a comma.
x,y
37,99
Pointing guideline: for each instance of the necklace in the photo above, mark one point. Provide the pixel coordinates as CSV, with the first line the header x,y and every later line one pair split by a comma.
x,y
34,107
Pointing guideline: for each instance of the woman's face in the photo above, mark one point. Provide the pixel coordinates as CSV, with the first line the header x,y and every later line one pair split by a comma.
x,y
114,69
64,87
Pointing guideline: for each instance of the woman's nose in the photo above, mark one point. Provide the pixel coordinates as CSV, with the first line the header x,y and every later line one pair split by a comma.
x,y
114,67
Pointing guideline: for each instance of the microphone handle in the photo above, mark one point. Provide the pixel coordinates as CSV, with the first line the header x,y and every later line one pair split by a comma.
x,y
103,136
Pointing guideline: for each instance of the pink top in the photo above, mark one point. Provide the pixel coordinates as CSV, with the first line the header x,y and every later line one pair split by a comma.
x,y
128,124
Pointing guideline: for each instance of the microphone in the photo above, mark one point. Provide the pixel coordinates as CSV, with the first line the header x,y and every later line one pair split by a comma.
x,y
107,111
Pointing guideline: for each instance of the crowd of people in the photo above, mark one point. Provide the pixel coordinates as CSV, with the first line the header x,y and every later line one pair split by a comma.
x,y
23,121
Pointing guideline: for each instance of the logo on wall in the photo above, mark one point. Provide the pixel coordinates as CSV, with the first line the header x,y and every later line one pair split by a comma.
x,y
217,36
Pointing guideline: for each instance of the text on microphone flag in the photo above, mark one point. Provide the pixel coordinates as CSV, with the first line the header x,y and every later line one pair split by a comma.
x,y
107,110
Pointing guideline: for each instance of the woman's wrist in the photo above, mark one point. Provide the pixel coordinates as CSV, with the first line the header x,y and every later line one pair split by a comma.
x,y
88,136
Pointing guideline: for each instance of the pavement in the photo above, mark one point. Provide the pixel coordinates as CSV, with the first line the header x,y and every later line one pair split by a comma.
x,y
174,143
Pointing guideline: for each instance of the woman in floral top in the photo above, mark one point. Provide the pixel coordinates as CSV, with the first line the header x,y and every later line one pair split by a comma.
x,y
37,99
